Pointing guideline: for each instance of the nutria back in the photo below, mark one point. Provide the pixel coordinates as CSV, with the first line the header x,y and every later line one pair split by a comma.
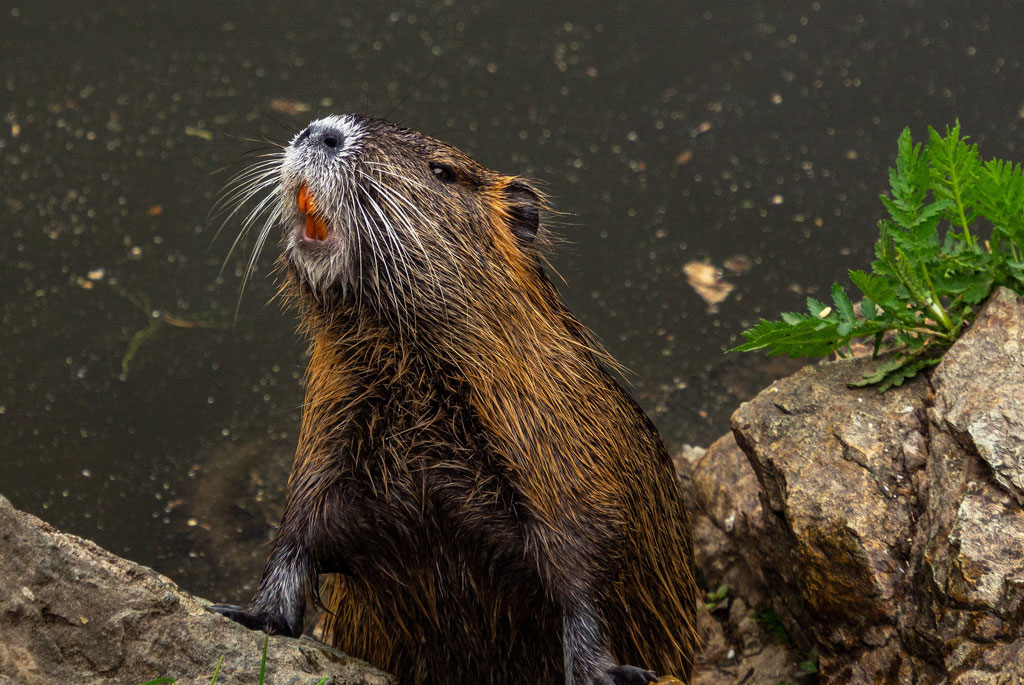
x,y
493,506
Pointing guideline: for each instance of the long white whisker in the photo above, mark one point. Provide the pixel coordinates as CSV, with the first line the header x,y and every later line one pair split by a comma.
x,y
248,187
386,195
438,285
249,221
272,218
376,253
359,246
399,252
239,183
395,172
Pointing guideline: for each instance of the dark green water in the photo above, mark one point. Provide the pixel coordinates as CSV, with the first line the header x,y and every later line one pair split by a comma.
x,y
667,132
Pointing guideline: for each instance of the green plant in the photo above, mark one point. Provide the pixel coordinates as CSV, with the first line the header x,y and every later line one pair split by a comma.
x,y
810,664
715,599
263,659
932,266
771,623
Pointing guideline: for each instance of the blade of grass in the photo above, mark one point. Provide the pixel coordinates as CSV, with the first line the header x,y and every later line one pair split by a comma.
x,y
217,670
263,660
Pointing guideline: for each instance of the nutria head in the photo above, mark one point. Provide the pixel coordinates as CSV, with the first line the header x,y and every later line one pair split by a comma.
x,y
389,218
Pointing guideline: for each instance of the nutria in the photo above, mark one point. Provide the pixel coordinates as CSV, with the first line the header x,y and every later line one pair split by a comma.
x,y
494,506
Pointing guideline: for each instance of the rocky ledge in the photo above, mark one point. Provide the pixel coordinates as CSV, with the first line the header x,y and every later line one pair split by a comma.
x,y
71,612
886,529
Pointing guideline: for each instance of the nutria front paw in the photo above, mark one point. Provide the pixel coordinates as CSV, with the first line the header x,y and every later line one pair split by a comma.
x,y
629,675
272,625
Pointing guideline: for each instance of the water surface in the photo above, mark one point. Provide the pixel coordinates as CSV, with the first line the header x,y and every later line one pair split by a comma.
x,y
665,132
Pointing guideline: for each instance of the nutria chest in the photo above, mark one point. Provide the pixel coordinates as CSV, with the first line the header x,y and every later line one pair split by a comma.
x,y
430,524
406,458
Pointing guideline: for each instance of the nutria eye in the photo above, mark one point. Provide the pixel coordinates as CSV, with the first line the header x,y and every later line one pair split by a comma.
x,y
443,173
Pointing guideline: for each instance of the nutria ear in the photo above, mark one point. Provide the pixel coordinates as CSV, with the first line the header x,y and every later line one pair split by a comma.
x,y
523,209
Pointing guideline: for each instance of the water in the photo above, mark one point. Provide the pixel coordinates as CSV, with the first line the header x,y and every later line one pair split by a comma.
x,y
666,132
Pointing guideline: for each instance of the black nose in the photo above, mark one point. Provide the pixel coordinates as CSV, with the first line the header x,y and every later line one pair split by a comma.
x,y
330,139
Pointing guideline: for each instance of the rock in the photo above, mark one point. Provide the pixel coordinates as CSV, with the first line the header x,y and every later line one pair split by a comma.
x,y
979,390
715,555
888,528
72,612
735,647
836,467
967,608
970,559
726,489
739,651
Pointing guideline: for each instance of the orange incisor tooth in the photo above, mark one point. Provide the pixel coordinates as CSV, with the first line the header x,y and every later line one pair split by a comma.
x,y
321,229
302,198
310,227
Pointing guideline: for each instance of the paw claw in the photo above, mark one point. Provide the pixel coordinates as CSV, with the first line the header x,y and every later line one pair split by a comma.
x,y
255,621
631,675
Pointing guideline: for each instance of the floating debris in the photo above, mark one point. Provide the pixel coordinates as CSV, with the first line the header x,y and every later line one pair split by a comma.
x,y
706,279
702,128
684,157
198,133
289,106
738,264
155,321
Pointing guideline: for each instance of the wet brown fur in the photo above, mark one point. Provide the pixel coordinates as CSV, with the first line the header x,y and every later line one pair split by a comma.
x,y
465,462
